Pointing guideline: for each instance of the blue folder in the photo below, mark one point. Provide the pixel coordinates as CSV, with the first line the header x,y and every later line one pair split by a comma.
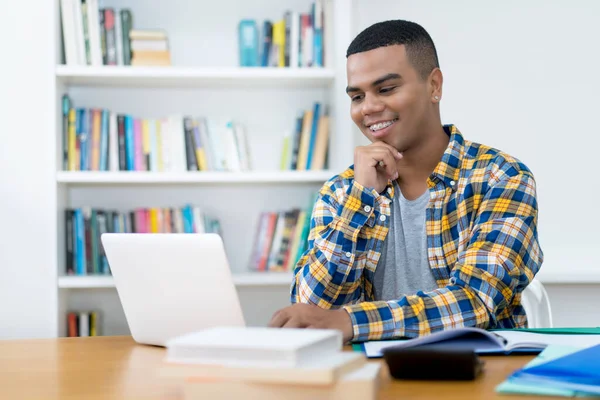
x,y
578,371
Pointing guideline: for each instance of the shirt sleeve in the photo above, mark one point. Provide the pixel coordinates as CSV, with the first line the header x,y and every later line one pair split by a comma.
x,y
502,257
329,273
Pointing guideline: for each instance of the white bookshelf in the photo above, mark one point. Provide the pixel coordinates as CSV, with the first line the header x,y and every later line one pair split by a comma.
x,y
203,81
158,178
278,279
125,76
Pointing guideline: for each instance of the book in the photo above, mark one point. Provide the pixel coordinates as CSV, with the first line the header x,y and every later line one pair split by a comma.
x,y
483,341
514,385
248,43
578,371
254,346
362,383
319,371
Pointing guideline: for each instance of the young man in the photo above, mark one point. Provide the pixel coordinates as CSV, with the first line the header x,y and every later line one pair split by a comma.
x,y
426,231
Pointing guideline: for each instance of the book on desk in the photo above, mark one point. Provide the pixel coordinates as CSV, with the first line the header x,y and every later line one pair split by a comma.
x,y
501,341
560,370
226,362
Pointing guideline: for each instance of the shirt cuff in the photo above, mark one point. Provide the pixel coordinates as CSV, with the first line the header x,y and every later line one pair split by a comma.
x,y
358,206
371,321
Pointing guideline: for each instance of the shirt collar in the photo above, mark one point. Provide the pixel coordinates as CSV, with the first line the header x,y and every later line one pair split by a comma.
x,y
448,169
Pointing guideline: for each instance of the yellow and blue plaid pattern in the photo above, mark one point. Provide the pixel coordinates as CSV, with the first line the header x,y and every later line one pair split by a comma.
x,y
482,241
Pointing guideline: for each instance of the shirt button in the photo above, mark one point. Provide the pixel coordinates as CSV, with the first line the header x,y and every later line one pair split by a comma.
x,y
452,183
367,208
382,218
348,254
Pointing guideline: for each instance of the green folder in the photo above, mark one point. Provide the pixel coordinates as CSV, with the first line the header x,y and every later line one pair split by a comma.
x,y
557,331
513,386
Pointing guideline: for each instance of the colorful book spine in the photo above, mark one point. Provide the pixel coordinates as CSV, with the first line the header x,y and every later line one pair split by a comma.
x,y
138,143
130,143
103,164
248,43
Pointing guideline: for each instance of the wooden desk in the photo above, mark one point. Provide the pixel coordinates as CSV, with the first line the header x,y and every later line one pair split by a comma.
x,y
116,367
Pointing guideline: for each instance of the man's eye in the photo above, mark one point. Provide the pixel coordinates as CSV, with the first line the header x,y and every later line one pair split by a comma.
x,y
357,98
386,89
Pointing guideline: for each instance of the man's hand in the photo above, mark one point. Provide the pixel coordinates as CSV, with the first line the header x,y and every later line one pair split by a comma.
x,y
310,316
375,165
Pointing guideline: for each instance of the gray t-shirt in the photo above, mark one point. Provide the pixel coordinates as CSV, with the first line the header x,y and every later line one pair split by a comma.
x,y
403,267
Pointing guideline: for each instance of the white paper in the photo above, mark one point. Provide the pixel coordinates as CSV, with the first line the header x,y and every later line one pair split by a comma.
x,y
482,344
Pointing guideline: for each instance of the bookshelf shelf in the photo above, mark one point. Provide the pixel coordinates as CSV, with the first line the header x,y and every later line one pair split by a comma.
x,y
141,177
205,84
85,282
240,279
127,76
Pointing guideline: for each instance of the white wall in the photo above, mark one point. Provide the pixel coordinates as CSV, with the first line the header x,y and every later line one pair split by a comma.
x,y
520,76
526,87
27,199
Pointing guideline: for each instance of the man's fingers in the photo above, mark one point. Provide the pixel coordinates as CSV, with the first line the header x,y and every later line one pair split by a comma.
x,y
293,323
395,153
390,166
385,162
279,319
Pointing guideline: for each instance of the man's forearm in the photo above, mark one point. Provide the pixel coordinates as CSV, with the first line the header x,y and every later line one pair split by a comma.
x,y
417,315
327,277
330,273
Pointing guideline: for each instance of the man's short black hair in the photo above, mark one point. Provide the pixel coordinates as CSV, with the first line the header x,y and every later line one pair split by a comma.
x,y
419,46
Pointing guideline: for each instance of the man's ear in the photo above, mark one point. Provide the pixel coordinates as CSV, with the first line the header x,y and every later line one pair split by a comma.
x,y
435,81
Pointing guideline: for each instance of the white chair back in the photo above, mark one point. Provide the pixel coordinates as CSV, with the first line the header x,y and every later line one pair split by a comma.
x,y
536,302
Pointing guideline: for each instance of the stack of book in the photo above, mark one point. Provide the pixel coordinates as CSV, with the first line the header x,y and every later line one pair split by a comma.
x,y
268,363
95,35
83,323
307,146
295,40
99,139
280,240
560,370
149,48
84,226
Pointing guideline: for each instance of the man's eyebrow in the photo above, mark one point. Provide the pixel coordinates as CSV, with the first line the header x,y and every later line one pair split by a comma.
x,y
386,78
378,81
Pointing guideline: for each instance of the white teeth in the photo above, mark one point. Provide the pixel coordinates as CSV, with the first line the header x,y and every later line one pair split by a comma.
x,y
381,125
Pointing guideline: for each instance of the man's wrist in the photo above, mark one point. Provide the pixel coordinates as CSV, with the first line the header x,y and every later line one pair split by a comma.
x,y
345,324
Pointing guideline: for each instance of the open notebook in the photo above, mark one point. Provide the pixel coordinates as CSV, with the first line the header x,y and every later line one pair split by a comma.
x,y
486,342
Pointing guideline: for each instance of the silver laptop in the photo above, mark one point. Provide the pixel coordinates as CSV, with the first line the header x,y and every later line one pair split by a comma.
x,y
172,284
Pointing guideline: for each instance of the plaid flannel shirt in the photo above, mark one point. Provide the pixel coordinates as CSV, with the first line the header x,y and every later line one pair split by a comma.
x,y
482,244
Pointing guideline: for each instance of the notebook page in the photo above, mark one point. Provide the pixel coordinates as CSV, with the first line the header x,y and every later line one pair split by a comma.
x,y
529,339
456,339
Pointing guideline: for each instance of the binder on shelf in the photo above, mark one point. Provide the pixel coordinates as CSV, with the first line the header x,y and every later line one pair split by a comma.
x,y
248,43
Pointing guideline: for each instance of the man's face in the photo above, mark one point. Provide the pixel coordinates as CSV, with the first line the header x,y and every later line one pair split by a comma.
x,y
389,100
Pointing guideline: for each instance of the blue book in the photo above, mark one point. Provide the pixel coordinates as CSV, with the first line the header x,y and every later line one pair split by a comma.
x,y
80,266
248,43
188,219
104,140
313,134
578,371
81,137
317,16
513,385
129,144
267,40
